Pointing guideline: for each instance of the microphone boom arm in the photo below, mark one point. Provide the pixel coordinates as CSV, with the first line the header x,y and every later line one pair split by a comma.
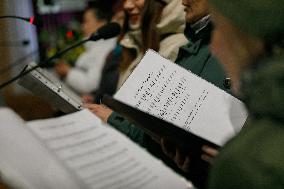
x,y
57,55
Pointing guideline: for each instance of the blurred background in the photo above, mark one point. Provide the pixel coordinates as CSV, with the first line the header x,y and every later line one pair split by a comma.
x,y
21,43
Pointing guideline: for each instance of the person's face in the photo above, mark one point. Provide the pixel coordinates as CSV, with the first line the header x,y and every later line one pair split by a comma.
x,y
90,23
234,49
195,10
134,9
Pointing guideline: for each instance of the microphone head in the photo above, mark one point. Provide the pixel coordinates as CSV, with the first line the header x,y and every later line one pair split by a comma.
x,y
106,32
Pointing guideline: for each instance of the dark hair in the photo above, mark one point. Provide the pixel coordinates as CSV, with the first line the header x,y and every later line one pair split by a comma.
x,y
151,16
103,10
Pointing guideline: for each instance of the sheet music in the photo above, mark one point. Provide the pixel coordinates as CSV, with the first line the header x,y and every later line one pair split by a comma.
x,y
164,89
101,157
24,162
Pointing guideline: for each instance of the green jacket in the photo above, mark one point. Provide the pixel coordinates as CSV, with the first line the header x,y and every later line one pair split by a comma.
x,y
194,56
255,158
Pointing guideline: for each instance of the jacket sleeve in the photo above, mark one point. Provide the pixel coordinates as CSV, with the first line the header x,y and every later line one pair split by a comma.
x,y
85,76
127,128
84,81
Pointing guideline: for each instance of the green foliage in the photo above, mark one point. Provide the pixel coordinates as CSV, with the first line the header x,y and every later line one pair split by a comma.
x,y
61,38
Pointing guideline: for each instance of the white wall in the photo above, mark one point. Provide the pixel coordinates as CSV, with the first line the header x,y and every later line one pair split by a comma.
x,y
18,31
62,5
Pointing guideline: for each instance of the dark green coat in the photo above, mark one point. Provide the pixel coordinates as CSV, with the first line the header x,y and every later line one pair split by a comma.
x,y
194,56
255,158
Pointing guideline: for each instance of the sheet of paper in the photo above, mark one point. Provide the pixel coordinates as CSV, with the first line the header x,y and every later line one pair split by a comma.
x,y
166,90
24,162
101,157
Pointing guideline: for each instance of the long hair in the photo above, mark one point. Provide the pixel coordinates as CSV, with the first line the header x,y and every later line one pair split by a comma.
x,y
127,55
151,16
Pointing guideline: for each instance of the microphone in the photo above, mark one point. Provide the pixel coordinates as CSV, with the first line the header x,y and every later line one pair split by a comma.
x,y
32,20
108,31
105,32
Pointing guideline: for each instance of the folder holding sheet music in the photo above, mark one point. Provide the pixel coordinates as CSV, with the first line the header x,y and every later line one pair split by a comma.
x,y
42,83
165,100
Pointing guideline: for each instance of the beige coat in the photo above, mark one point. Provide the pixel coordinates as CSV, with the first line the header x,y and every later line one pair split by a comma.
x,y
172,25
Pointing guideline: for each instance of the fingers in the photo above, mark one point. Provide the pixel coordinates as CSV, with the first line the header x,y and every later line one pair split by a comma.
x,y
167,148
207,158
92,107
186,164
99,110
172,151
88,105
179,158
182,160
210,151
209,154
87,98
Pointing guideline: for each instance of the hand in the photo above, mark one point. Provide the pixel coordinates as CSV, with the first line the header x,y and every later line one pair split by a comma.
x,y
99,110
181,159
87,98
209,153
62,69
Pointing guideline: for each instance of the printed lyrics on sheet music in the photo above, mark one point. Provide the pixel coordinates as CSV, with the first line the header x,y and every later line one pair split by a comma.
x,y
100,156
162,88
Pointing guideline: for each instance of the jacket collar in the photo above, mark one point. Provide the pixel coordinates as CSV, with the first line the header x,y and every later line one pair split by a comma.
x,y
132,40
201,30
196,39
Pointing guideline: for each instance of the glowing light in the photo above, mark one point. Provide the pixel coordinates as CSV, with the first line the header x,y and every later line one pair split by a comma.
x,y
32,19
69,35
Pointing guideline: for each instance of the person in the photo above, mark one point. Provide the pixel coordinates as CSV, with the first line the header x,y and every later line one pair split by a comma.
x,y
248,40
157,29
162,30
197,58
85,76
110,71
166,25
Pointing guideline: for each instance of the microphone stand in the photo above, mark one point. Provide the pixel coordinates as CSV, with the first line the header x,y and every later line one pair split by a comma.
x,y
17,17
32,20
